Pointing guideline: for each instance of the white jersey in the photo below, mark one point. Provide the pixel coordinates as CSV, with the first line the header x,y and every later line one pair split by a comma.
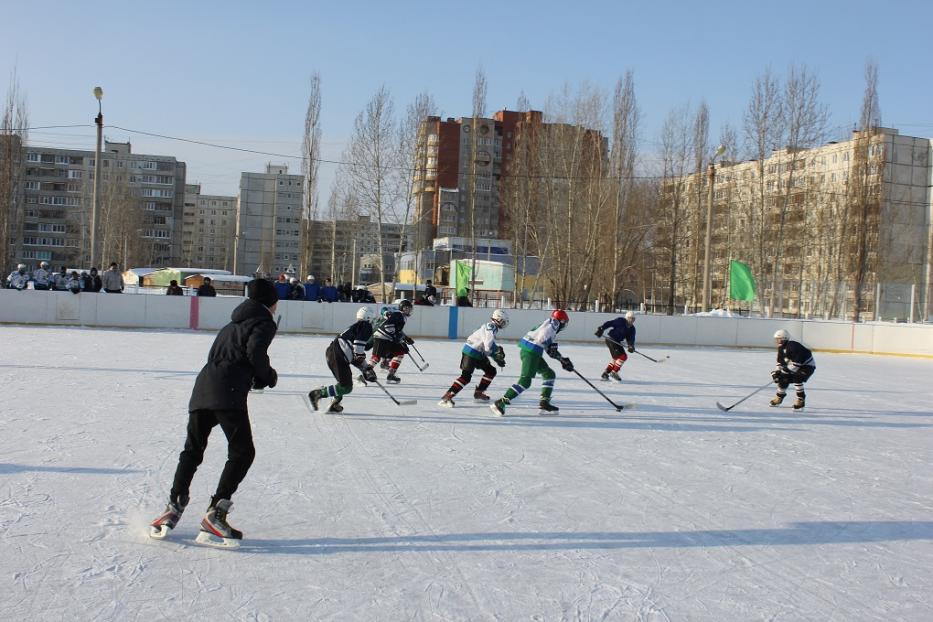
x,y
17,280
482,342
541,338
41,276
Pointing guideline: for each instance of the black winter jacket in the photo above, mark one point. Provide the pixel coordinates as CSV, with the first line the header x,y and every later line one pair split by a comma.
x,y
236,361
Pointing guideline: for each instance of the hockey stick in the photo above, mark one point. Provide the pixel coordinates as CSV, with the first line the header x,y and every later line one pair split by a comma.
x,y
618,407
621,345
728,408
392,397
426,364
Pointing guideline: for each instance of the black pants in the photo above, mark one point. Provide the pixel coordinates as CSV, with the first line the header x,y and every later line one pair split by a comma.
x,y
339,366
468,365
797,378
240,450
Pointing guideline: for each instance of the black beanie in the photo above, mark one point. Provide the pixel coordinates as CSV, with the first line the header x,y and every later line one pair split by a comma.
x,y
262,291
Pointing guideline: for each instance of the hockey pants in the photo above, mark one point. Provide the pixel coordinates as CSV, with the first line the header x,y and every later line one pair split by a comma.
x,y
532,365
468,365
240,450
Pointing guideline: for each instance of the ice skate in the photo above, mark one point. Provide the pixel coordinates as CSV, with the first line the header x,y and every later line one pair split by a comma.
x,y
384,364
393,378
498,407
777,399
335,406
165,522
801,402
615,376
480,397
605,376
545,407
447,401
215,530
315,397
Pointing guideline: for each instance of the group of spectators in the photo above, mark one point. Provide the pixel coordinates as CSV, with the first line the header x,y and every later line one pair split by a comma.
x,y
206,289
312,291
110,281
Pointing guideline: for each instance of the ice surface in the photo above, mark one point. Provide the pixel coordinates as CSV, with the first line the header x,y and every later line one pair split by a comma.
x,y
674,511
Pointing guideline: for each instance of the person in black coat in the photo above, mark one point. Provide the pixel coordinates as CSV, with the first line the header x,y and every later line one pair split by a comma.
x,y
93,282
174,289
237,362
206,288
430,292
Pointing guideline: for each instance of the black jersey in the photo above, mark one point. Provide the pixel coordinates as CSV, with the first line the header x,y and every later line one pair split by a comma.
x,y
793,354
353,341
392,328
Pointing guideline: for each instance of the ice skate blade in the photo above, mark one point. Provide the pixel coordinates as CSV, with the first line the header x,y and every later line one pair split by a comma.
x,y
496,411
547,413
208,539
445,404
159,532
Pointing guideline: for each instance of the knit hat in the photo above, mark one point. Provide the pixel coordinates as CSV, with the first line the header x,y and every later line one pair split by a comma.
x,y
262,291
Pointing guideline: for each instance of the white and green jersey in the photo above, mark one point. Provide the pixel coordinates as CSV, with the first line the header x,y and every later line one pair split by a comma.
x,y
539,339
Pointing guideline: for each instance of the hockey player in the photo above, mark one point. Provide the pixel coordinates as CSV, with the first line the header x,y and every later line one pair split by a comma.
x,y
391,342
795,365
236,363
41,277
347,349
621,332
532,348
478,349
18,278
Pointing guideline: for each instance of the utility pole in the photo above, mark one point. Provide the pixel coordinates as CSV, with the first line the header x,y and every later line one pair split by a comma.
x,y
711,172
95,207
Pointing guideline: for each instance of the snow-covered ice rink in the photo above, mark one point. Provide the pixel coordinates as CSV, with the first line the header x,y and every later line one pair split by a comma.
x,y
673,511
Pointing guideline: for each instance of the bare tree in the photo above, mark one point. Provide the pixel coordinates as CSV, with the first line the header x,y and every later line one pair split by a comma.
x,y
371,152
406,156
479,110
675,156
622,165
804,123
864,187
122,234
310,161
700,146
763,131
14,122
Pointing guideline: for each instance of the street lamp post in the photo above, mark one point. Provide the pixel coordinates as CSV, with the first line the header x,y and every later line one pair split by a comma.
x,y
709,226
95,207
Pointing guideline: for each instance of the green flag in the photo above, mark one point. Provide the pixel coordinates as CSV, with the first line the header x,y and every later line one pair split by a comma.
x,y
741,282
463,277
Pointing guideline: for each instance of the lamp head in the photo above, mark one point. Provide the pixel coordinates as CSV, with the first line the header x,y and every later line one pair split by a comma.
x,y
98,93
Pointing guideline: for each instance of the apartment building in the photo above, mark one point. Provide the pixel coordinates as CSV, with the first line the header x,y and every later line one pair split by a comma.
x,y
140,215
208,229
268,222
825,229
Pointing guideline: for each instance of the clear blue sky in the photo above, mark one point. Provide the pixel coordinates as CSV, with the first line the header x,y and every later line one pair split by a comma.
x,y
237,72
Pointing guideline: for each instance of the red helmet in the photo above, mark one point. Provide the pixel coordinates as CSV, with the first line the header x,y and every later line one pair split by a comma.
x,y
561,316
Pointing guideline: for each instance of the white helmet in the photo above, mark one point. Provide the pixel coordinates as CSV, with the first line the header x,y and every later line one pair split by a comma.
x,y
500,318
43,264
363,314
21,266
781,335
630,317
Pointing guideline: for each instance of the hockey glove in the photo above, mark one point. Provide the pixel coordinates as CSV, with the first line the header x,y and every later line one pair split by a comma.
x,y
369,374
776,375
599,331
566,364
499,356
274,379
409,340
631,349
358,361
552,351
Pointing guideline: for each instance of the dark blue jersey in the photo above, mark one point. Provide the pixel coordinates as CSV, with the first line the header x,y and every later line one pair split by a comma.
x,y
620,330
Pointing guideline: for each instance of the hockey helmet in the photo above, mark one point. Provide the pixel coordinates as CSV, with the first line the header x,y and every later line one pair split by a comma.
x,y
405,306
363,314
21,266
43,264
561,317
781,335
500,318
630,317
